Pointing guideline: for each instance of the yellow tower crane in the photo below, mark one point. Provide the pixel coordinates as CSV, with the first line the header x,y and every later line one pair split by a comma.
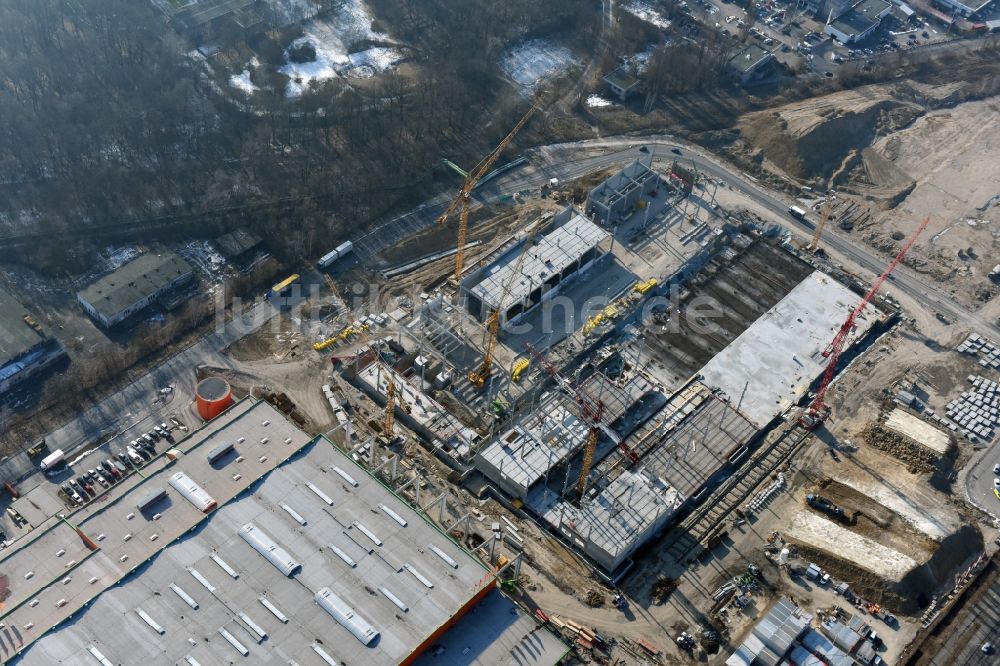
x,y
390,403
823,219
461,202
479,376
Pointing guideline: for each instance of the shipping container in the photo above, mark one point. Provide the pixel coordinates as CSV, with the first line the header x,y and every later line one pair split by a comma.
x,y
281,287
333,255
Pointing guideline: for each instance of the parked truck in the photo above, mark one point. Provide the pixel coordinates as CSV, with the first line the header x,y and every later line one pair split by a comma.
x,y
51,460
334,255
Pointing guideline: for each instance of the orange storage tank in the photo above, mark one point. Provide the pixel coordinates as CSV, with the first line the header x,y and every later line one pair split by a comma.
x,y
213,397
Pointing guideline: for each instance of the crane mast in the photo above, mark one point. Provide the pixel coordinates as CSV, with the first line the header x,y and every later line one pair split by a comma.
x,y
591,411
818,410
824,218
461,201
481,373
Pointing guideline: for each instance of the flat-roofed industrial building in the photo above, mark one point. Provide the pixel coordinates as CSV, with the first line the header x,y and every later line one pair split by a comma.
x,y
25,349
859,21
134,286
562,251
307,560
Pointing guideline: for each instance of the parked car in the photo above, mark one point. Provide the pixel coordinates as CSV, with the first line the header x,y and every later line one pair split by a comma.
x,y
109,466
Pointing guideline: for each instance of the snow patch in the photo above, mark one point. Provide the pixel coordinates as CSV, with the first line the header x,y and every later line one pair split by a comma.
x,y
116,257
242,80
598,102
527,64
642,9
333,37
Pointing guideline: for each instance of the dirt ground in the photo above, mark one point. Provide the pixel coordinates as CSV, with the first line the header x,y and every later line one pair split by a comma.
x,y
951,156
899,152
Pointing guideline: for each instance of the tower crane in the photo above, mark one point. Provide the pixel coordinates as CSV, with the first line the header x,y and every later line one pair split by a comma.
x,y
461,201
592,412
390,405
823,219
481,373
818,410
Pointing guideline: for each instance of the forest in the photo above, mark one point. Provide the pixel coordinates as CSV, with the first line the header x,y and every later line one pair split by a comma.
x,y
109,120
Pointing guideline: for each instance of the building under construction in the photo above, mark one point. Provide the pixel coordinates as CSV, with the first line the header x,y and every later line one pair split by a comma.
x,y
561,251
617,197
664,445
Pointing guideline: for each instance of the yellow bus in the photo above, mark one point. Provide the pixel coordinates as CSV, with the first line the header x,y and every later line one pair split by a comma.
x,y
277,289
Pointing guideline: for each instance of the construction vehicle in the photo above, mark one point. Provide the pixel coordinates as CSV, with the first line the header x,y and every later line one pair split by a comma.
x,y
479,375
38,448
461,202
821,503
643,287
520,365
33,323
818,410
344,334
824,217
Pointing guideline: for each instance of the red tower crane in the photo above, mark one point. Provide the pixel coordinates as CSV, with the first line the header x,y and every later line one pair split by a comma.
x,y
818,409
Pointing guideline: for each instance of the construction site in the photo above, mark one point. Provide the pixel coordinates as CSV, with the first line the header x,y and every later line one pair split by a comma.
x,y
637,377
632,402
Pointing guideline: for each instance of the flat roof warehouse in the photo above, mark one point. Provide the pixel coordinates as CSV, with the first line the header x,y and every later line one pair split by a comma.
x,y
307,559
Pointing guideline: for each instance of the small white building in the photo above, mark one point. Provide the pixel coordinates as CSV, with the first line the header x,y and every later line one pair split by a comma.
x,y
750,63
622,82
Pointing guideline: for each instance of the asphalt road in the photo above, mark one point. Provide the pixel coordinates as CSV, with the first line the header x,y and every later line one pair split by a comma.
x,y
138,406
979,483
568,161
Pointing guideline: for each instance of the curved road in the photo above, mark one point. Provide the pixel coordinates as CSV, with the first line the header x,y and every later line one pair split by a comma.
x,y
569,161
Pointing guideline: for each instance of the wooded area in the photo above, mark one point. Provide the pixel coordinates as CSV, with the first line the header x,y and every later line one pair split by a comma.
x,y
107,119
